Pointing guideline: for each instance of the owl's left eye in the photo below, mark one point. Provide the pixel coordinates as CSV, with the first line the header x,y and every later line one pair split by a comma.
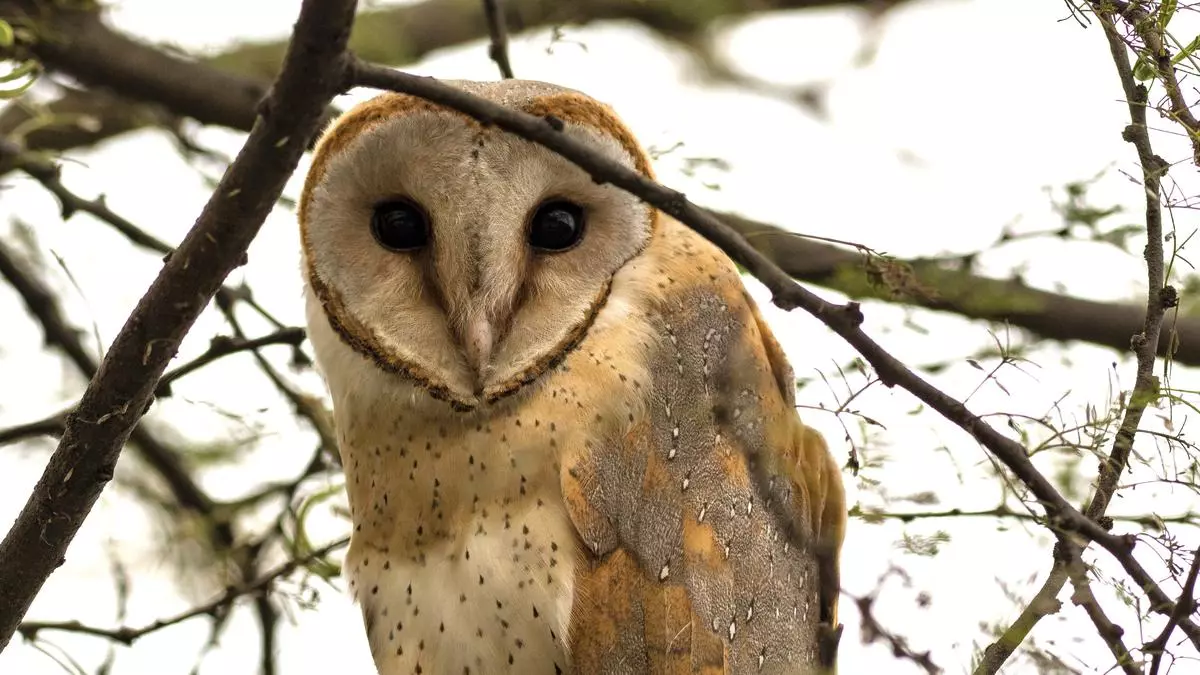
x,y
556,226
400,225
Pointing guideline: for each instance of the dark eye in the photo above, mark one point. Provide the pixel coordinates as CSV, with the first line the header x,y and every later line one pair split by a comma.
x,y
556,226
399,225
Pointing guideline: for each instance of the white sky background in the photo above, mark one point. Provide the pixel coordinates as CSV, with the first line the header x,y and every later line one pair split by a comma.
x,y
969,110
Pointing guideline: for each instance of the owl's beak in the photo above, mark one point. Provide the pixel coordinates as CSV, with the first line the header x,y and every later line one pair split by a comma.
x,y
478,340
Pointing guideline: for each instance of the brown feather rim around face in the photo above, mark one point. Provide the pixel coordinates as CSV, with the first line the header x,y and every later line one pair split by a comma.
x,y
363,340
568,107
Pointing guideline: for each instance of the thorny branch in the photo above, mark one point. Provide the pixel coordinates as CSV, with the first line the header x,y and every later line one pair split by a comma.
x,y
872,631
314,72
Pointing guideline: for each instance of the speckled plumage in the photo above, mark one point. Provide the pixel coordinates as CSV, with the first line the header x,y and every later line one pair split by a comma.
x,y
625,487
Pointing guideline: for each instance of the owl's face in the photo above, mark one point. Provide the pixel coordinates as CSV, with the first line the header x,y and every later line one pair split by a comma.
x,y
460,257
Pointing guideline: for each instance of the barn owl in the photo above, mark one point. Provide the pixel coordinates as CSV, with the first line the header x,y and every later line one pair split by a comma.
x,y
569,438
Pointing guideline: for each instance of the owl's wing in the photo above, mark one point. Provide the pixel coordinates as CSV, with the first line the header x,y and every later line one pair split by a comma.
x,y
712,521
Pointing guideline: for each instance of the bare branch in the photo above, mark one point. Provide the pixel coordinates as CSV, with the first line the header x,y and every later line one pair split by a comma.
x,y
872,630
1111,633
314,71
222,346
127,635
498,30
1185,607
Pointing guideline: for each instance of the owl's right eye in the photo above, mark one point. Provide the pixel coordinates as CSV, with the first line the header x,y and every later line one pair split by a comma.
x,y
400,225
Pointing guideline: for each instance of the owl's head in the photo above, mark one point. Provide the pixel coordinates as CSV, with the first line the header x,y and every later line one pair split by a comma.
x,y
458,256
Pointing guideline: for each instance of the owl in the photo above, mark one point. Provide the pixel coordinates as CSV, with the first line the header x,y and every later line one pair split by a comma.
x,y
569,439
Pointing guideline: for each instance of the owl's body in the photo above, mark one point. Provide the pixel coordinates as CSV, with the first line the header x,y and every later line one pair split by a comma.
x,y
566,459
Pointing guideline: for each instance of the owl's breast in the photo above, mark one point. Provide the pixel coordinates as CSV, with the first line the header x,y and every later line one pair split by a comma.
x,y
463,556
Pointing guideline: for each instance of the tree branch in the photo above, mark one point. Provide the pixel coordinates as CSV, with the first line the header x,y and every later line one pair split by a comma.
x,y
314,72
1159,298
222,346
127,635
410,31
79,44
845,320
1185,607
498,31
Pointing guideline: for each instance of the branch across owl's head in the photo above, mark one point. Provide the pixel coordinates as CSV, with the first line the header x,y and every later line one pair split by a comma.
x,y
460,256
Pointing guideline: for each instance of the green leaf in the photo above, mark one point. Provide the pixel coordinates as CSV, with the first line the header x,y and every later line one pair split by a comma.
x,y
14,93
1144,69
6,35
20,71
301,545
1186,51
1165,11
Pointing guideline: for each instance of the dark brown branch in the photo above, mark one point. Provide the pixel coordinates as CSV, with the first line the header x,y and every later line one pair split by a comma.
x,y
872,631
1112,634
845,320
127,635
222,346
49,175
47,426
77,42
1186,606
498,32
314,72
308,407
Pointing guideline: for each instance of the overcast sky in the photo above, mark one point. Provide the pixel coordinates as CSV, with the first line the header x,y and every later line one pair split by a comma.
x,y
966,114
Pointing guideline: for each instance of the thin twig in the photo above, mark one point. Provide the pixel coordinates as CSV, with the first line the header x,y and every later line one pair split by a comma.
x,y
872,630
222,346
1148,29
1145,390
1184,607
498,30
1004,511
49,174
127,635
166,460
